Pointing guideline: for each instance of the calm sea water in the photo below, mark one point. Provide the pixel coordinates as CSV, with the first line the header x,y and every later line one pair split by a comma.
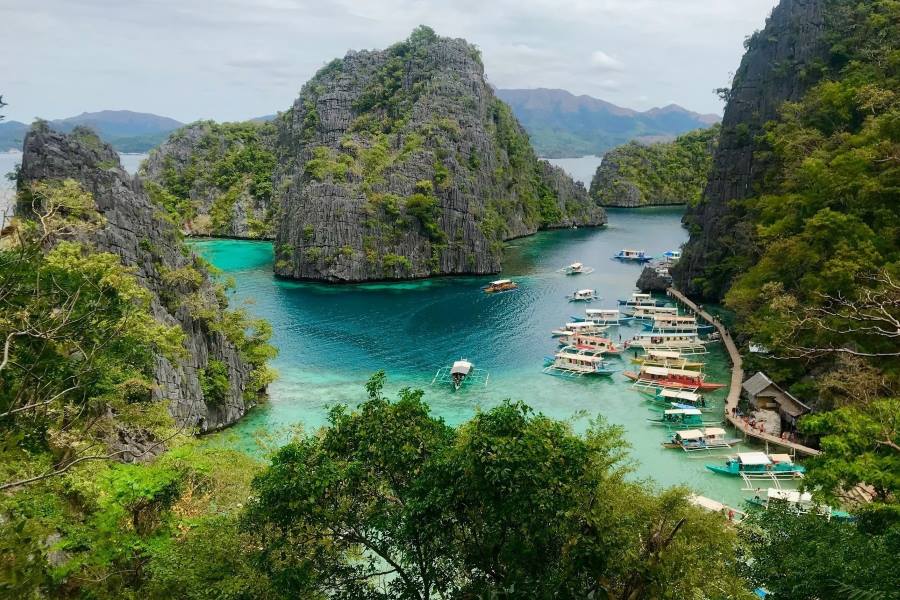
x,y
332,338
581,169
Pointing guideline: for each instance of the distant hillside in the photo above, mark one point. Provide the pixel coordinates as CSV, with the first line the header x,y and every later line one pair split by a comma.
x,y
125,130
561,124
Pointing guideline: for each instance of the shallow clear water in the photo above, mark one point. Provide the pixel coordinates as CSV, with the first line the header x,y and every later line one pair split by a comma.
x,y
332,338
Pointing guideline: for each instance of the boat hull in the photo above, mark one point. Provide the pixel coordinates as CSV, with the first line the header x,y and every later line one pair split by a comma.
x,y
703,386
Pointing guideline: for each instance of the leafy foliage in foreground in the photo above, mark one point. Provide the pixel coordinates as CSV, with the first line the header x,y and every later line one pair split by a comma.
x,y
662,173
389,502
807,557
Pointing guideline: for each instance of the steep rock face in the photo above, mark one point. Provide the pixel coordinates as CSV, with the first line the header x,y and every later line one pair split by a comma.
x,y
660,174
402,163
651,281
216,178
139,232
772,71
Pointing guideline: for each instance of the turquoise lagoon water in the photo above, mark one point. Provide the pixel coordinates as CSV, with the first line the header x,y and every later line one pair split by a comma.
x,y
332,338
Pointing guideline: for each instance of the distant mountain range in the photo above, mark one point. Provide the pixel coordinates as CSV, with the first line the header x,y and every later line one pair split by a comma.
x,y
127,131
561,124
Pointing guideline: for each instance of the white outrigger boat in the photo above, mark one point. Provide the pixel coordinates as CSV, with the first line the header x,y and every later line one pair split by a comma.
x,y
673,398
602,316
685,343
669,323
576,268
500,285
667,358
574,362
653,311
462,371
799,502
628,254
709,438
583,296
592,343
579,327
639,299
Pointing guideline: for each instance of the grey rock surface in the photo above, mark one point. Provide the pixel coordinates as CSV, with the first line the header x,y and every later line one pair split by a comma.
x,y
770,73
651,281
402,163
136,230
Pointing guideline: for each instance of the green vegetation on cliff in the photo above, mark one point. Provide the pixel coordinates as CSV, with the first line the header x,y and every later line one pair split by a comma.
x,y
656,174
216,178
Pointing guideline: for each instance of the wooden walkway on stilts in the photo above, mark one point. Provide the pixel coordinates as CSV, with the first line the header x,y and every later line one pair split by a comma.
x,y
737,378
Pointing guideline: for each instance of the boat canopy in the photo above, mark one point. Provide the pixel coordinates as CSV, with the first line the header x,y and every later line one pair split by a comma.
x,y
792,496
637,296
781,458
690,434
666,354
501,281
683,411
462,367
680,395
670,318
714,431
584,292
753,458
601,312
580,325
666,371
576,265
573,356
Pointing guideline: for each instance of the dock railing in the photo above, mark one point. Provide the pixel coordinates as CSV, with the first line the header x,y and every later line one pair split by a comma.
x,y
737,378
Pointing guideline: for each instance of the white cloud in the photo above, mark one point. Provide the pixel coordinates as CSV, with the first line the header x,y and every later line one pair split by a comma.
x,y
605,62
182,57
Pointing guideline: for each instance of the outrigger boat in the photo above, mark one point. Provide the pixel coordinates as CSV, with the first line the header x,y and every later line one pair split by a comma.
x,y
627,254
583,296
604,316
584,327
638,299
462,371
800,502
592,343
574,362
501,285
664,323
685,343
667,358
681,417
652,311
677,398
672,256
665,377
577,269
759,465
710,438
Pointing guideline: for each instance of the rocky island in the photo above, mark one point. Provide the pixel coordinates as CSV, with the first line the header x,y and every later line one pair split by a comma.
x,y
181,291
216,178
402,163
659,174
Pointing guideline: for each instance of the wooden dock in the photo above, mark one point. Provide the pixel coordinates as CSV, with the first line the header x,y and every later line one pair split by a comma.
x,y
737,378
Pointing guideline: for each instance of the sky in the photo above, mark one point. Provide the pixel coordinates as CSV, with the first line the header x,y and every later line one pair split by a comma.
x,y
237,59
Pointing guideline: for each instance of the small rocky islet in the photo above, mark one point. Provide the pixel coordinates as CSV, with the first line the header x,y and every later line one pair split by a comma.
x,y
392,164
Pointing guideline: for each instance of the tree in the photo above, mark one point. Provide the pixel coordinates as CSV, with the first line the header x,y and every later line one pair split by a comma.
x,y
808,557
77,332
860,444
389,502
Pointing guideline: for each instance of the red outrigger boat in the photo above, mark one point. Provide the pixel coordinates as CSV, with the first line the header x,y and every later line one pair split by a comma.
x,y
665,377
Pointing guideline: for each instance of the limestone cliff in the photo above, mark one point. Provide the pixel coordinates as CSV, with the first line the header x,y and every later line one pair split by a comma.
x,y
144,237
216,178
664,173
779,66
402,163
